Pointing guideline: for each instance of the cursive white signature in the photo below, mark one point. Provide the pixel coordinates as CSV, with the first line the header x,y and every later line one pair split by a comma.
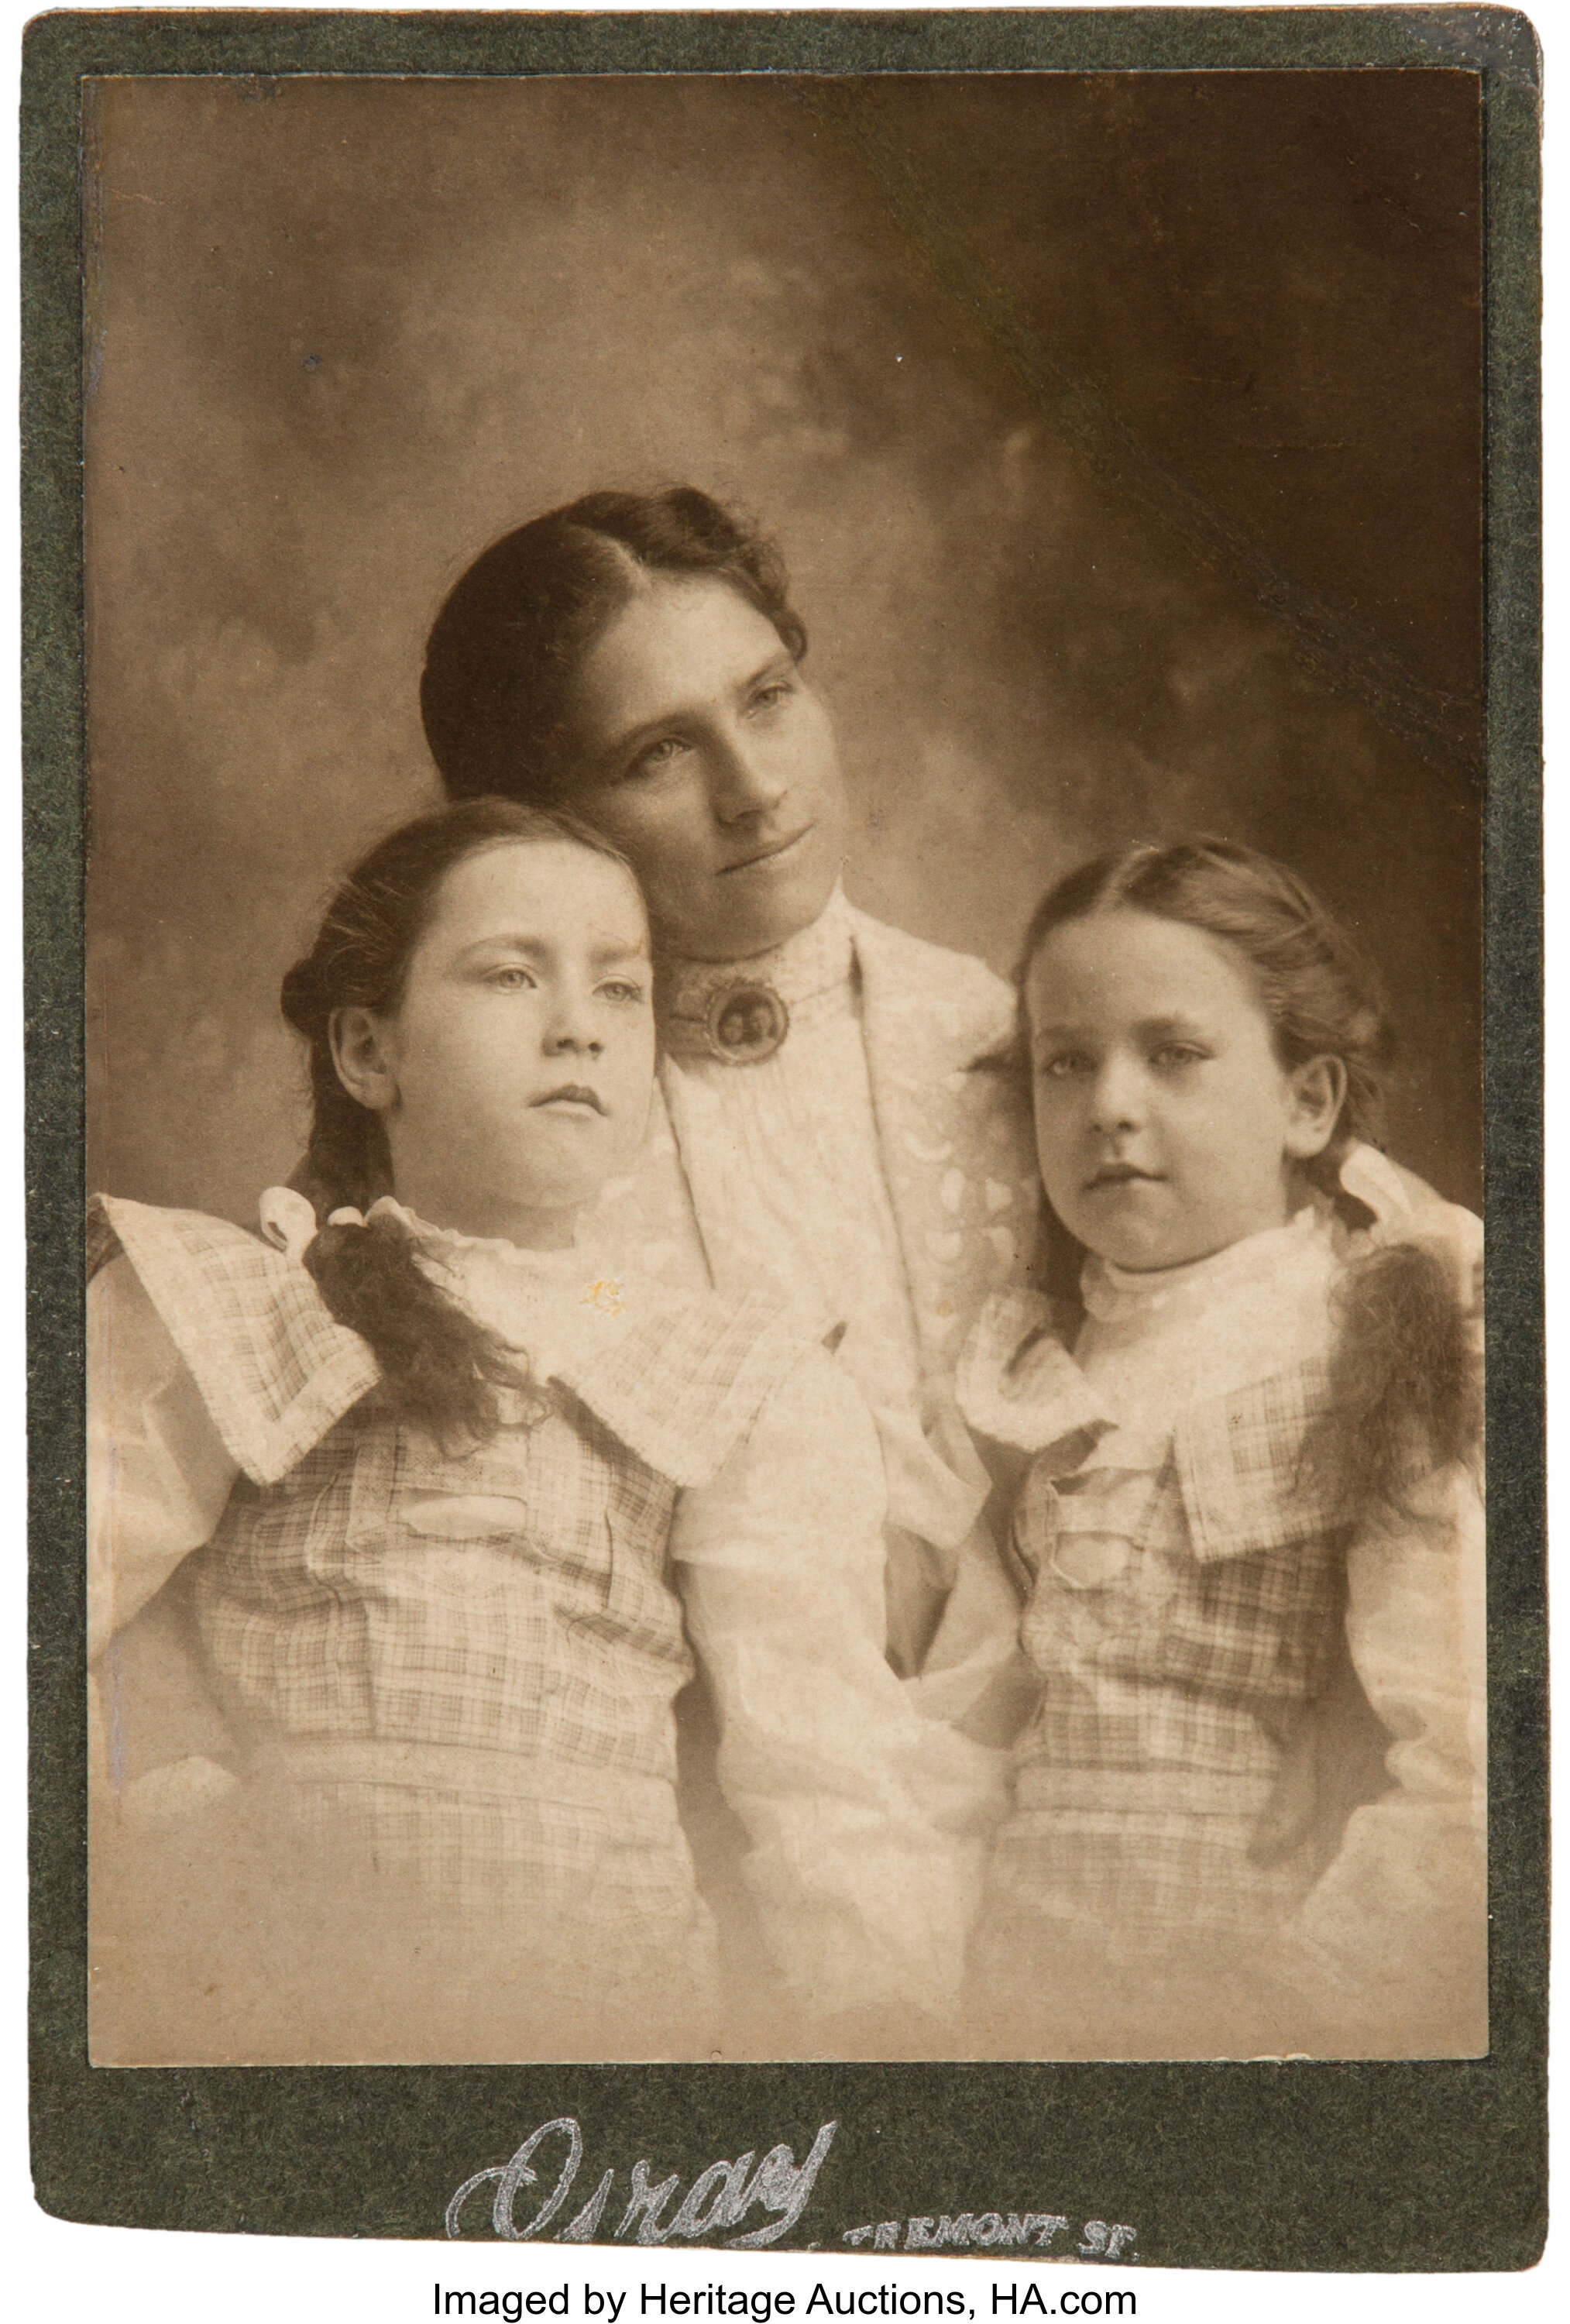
x,y
719,2198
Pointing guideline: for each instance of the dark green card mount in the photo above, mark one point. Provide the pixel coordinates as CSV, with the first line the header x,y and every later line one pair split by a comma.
x,y
1370,2166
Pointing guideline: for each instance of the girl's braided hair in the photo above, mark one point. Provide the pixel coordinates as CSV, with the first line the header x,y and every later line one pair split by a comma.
x,y
1404,1388
438,1365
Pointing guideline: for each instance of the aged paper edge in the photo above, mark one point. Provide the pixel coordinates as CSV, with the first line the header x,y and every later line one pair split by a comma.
x,y
1447,2158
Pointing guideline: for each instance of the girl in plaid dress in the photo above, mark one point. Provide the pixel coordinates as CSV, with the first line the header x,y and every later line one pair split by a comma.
x,y
1249,1809
428,1470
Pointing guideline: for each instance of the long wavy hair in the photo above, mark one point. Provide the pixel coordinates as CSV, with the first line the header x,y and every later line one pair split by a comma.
x,y
1405,1390
438,1365
508,643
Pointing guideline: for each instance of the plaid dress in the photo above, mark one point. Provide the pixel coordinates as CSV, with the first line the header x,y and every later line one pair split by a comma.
x,y
454,1675
1185,1620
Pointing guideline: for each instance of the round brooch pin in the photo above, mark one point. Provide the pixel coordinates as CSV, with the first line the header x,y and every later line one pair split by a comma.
x,y
746,1023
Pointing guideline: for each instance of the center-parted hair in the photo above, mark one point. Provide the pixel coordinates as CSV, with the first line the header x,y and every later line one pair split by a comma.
x,y
1320,992
1404,1377
437,1364
507,645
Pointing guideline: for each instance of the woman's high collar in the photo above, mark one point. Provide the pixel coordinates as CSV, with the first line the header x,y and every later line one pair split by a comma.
x,y
816,959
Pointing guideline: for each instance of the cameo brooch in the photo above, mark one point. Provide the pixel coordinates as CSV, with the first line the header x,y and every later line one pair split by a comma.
x,y
745,1023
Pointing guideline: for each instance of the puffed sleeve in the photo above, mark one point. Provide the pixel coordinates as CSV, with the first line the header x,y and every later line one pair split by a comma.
x,y
157,1474
1393,1939
868,1823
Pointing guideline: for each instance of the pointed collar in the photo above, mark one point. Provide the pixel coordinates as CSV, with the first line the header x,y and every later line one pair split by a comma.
x,y
677,1376
1017,1384
273,1369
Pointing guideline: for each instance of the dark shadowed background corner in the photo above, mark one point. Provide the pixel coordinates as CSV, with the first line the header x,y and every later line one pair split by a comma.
x,y
1122,432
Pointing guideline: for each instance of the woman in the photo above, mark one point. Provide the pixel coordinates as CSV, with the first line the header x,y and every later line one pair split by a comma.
x,y
832,1084
831,1111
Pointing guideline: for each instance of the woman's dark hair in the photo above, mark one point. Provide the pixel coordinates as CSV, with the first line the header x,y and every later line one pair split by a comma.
x,y
507,645
1404,1376
437,1364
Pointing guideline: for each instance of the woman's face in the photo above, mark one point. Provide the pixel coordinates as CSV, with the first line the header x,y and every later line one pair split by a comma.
x,y
712,764
514,1076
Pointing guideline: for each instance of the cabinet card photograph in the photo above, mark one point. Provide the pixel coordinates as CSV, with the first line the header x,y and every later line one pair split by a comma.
x,y
786,780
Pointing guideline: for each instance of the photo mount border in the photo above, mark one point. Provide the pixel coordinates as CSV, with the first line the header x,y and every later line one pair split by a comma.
x,y
1370,2166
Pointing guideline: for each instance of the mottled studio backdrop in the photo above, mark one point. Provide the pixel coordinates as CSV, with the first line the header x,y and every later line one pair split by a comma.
x,y
1121,431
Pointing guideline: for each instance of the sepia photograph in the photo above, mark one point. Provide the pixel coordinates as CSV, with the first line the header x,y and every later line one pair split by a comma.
x,y
784,1107
784,917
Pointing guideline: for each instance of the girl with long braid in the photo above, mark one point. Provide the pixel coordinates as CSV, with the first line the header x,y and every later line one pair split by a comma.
x,y
431,1473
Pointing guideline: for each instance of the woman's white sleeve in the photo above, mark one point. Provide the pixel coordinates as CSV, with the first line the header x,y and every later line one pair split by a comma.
x,y
1395,1932
866,1892
158,1475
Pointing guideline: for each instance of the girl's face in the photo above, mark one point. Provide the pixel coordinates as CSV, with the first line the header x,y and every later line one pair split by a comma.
x,y
514,1076
712,764
1166,1126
